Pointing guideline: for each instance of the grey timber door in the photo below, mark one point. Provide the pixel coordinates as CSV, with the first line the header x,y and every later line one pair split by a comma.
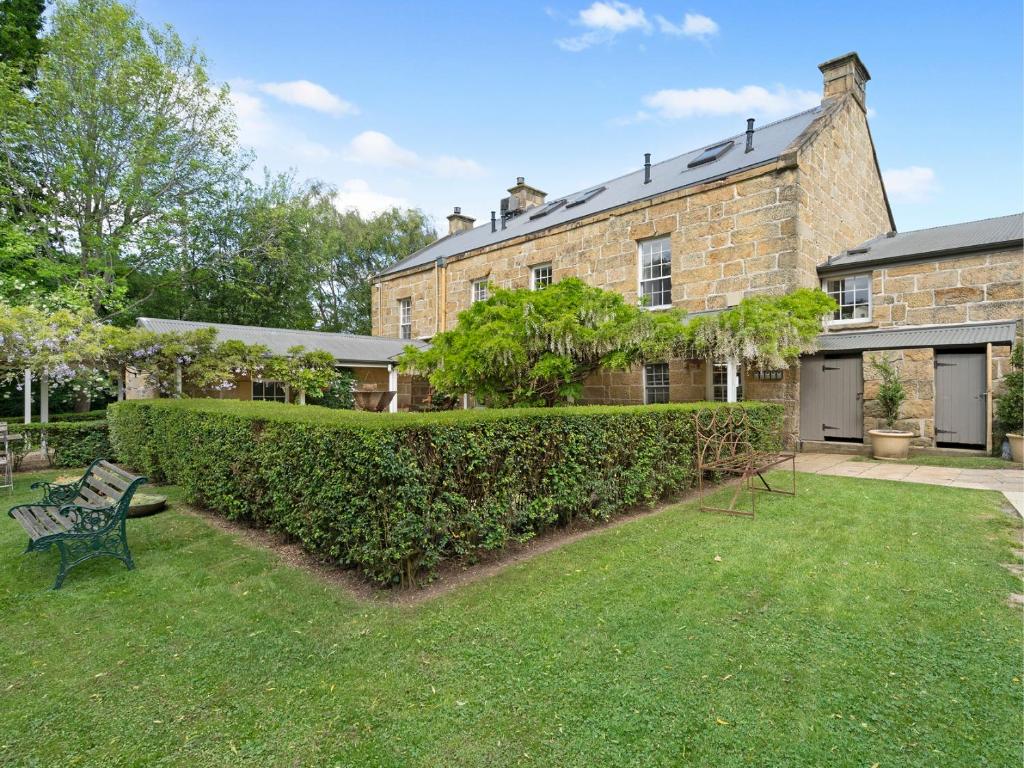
x,y
832,398
960,398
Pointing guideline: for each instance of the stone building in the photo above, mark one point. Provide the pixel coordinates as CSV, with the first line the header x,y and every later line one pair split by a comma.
x,y
773,208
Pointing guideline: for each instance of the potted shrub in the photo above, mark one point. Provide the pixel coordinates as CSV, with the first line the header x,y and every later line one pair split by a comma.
x,y
1010,405
889,443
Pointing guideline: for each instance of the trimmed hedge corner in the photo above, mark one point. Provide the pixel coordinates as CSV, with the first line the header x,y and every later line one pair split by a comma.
x,y
395,494
72,443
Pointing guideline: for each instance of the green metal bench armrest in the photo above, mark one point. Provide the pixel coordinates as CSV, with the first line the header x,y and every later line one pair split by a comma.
x,y
90,521
58,493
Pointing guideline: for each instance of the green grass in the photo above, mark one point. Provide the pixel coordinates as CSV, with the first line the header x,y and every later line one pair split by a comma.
x,y
955,462
837,629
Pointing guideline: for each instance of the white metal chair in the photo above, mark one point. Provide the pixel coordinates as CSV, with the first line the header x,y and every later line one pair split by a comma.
x,y
6,460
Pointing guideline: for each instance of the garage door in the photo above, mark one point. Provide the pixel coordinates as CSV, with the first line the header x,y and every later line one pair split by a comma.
x,y
960,398
832,398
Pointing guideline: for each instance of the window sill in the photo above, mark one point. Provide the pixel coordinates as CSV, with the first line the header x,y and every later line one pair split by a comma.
x,y
658,307
844,325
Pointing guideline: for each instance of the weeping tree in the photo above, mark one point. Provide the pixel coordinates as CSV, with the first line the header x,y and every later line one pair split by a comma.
x,y
525,348
766,332
528,348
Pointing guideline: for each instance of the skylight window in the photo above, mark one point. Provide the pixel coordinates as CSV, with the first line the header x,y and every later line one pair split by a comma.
x,y
711,154
544,210
584,197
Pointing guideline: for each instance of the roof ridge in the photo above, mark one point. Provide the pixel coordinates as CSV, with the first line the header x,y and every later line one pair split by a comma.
x,y
954,224
401,264
211,324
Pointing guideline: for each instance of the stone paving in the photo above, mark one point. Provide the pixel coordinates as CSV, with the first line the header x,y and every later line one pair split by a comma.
x,y
1010,482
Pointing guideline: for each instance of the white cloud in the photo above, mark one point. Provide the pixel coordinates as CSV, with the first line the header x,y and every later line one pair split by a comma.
x,y
748,100
355,194
604,20
303,93
614,16
376,148
694,25
915,184
259,130
450,167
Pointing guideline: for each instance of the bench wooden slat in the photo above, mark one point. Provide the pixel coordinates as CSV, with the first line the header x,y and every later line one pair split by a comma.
x,y
88,496
118,482
114,469
28,522
102,488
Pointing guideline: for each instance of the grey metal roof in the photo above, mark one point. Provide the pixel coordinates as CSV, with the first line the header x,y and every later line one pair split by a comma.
x,y
963,335
770,141
937,241
345,347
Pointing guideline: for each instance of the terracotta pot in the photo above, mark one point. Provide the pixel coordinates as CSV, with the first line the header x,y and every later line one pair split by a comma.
x,y
1016,447
890,443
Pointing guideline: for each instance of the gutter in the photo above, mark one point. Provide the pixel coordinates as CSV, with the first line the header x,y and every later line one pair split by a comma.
x,y
918,258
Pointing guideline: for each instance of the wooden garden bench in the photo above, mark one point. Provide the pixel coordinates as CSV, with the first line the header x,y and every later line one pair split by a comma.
x,y
84,519
723,446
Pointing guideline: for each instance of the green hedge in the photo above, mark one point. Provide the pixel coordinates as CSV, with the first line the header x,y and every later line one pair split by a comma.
x,y
72,443
97,414
395,494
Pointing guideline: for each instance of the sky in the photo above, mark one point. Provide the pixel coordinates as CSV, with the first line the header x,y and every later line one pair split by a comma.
x,y
435,105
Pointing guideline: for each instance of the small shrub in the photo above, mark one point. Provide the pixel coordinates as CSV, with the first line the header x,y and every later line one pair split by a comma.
x,y
1010,405
396,494
72,443
891,394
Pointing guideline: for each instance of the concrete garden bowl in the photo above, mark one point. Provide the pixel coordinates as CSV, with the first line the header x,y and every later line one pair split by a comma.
x,y
890,443
145,504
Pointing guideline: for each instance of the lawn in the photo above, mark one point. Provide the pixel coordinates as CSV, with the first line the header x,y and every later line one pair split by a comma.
x,y
836,629
952,461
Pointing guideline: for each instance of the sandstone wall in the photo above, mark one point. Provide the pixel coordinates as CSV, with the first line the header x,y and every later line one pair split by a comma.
x,y
985,286
916,369
840,193
729,239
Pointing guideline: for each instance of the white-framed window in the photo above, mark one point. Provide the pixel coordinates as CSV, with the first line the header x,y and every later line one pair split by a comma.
x,y
853,295
656,272
273,391
656,383
405,318
540,276
723,377
480,290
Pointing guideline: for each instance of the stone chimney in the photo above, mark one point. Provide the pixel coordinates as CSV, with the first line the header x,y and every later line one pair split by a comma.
x,y
524,196
459,223
845,74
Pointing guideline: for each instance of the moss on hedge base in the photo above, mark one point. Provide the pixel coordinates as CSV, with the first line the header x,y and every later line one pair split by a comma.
x,y
395,494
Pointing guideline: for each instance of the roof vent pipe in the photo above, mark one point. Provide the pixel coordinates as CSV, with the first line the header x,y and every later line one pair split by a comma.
x,y
647,167
504,219
750,135
494,222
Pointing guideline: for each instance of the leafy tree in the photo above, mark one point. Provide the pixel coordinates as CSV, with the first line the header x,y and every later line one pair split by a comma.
x,y
523,348
1010,405
124,132
21,21
526,347
358,248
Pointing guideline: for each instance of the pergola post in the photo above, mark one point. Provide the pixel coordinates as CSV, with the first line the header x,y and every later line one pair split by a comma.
x,y
28,396
731,380
393,386
44,407
177,380
120,384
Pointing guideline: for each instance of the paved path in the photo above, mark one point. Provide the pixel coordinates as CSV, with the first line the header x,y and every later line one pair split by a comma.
x,y
1008,481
